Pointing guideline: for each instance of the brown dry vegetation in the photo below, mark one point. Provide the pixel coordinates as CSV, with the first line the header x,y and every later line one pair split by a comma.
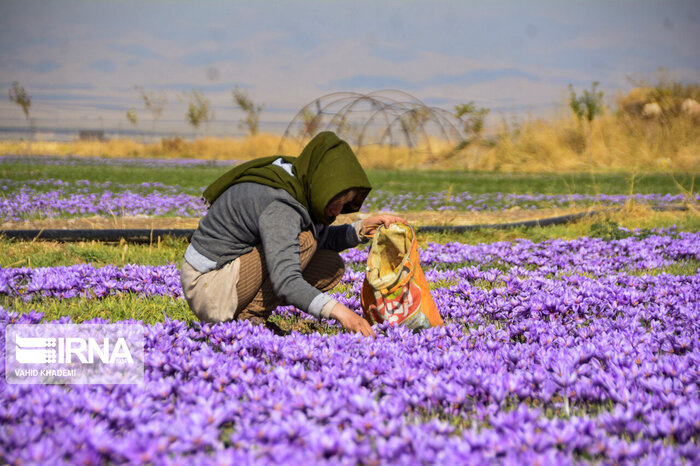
x,y
204,148
611,143
620,140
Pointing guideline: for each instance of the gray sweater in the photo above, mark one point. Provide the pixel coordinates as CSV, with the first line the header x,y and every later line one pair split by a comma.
x,y
248,214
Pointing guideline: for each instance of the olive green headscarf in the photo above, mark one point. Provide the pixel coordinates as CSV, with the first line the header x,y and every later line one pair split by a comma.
x,y
325,168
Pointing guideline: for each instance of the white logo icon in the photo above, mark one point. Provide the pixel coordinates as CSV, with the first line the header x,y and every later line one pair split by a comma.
x,y
32,350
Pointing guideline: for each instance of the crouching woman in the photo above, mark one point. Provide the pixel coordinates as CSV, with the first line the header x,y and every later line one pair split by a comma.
x,y
267,238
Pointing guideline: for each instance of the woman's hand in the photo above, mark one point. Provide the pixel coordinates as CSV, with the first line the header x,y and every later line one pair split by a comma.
x,y
370,224
351,321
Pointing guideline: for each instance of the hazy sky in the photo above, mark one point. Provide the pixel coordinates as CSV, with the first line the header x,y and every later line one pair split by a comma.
x,y
79,61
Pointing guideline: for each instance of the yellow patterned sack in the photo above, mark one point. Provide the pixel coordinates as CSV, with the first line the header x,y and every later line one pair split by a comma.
x,y
395,289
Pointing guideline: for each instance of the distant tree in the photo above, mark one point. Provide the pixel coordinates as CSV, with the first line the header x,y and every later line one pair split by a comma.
x,y
588,105
252,119
132,116
472,117
154,103
19,96
199,109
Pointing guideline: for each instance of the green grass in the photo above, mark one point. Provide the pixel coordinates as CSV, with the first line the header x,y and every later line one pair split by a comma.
x,y
523,183
186,177
687,267
125,306
51,254
419,182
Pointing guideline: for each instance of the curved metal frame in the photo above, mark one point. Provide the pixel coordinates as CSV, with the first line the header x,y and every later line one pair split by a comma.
x,y
388,107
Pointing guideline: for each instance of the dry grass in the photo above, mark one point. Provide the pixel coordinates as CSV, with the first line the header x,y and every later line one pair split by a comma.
x,y
611,143
614,142
204,148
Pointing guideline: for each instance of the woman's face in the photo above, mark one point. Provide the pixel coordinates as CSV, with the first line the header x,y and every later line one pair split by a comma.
x,y
335,207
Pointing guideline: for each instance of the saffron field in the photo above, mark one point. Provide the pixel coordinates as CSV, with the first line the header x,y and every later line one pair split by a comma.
x,y
555,351
68,200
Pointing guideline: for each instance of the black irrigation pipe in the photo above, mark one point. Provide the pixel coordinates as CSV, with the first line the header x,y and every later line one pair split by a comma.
x,y
155,235
104,235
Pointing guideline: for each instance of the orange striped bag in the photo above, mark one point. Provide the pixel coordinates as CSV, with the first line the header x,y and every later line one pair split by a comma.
x,y
395,289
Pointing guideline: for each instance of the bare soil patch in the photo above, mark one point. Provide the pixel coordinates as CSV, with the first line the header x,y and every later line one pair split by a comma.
x,y
415,218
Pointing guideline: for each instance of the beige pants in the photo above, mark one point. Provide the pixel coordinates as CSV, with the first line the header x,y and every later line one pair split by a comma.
x,y
242,289
212,296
